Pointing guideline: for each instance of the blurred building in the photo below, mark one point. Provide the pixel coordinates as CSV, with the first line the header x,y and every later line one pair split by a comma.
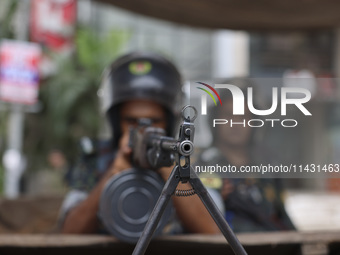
x,y
204,54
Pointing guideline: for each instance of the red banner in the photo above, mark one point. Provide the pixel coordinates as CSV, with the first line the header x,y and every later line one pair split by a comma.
x,y
19,71
53,23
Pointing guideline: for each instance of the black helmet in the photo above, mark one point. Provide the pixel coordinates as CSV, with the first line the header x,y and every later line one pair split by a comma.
x,y
141,75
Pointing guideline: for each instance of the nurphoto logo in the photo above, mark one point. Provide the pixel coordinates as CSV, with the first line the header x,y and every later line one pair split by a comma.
x,y
239,104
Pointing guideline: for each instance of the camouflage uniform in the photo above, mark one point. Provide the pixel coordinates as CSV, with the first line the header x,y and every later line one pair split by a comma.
x,y
85,175
254,204
134,76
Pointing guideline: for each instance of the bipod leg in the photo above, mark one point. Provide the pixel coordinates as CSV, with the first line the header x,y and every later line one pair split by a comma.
x,y
216,214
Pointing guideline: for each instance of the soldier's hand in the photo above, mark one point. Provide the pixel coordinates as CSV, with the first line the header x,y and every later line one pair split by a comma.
x,y
165,172
227,188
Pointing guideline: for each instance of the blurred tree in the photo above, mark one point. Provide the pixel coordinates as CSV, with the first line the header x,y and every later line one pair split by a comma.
x,y
9,8
69,98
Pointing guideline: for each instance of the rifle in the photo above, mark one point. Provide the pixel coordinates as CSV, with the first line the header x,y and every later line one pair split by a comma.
x,y
152,149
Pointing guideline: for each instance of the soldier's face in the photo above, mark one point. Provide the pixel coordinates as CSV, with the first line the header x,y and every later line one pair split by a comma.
x,y
237,135
133,110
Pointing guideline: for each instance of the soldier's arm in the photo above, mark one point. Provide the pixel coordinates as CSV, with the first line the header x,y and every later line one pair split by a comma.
x,y
191,211
83,219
